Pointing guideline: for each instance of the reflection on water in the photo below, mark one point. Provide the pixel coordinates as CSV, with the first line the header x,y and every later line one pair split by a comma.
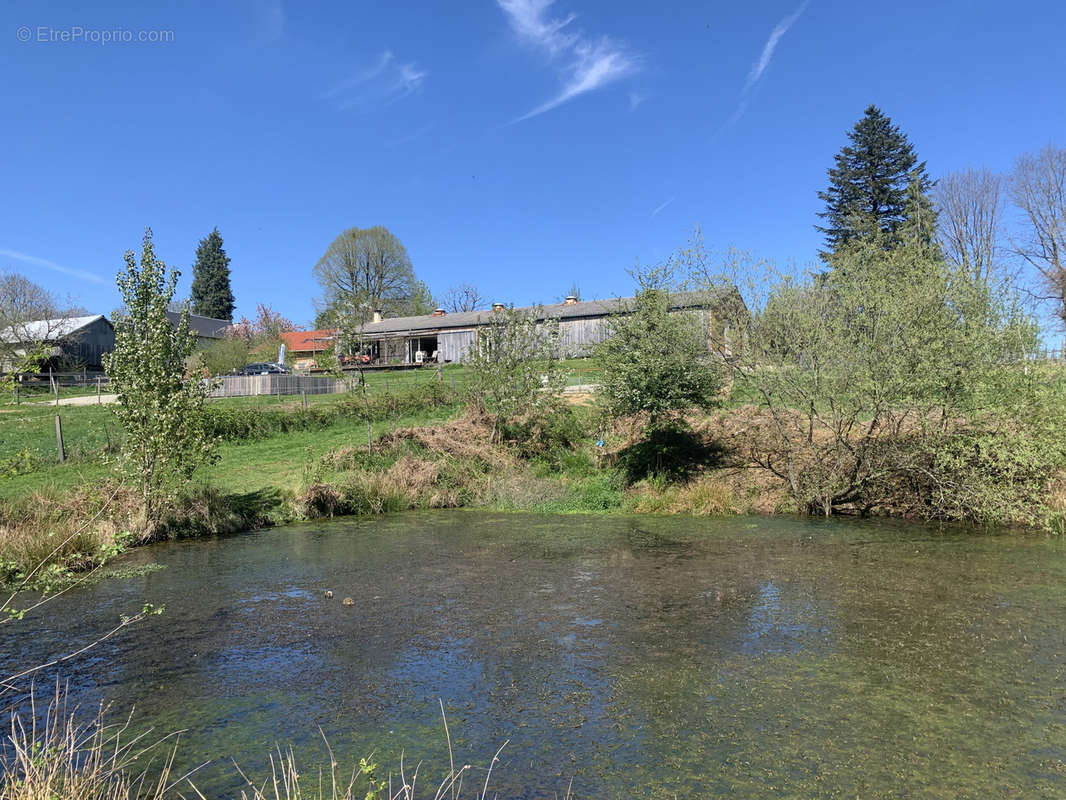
x,y
642,657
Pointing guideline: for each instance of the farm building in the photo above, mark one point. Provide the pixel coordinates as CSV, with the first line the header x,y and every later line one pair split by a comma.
x,y
71,341
205,329
444,337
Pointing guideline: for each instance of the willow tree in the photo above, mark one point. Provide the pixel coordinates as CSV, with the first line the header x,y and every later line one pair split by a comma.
x,y
160,409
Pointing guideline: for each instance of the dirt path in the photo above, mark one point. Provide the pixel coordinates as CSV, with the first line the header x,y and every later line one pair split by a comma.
x,y
83,400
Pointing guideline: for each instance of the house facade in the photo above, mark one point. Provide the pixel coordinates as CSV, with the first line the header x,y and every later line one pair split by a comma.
x,y
446,338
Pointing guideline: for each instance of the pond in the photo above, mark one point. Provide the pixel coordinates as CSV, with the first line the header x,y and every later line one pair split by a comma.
x,y
650,656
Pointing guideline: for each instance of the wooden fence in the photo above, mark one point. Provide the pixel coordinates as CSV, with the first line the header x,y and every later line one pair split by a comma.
x,y
253,385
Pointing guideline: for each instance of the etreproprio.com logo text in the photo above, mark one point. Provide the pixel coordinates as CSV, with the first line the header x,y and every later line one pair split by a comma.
x,y
78,34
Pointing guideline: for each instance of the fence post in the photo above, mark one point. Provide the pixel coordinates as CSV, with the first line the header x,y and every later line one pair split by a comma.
x,y
56,387
98,400
452,379
59,438
303,397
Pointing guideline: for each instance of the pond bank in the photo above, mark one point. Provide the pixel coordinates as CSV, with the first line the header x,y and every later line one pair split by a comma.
x,y
317,468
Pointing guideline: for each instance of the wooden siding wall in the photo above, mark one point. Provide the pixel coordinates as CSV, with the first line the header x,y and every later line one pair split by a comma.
x,y
453,344
576,336
87,346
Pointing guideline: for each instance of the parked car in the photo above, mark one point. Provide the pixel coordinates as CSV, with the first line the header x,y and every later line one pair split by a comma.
x,y
265,368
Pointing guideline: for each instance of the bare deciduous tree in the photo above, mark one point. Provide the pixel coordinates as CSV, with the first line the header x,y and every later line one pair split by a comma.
x,y
1038,188
464,297
970,220
366,269
29,315
22,300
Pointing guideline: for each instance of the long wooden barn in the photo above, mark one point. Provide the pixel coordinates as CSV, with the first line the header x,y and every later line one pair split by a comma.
x,y
443,337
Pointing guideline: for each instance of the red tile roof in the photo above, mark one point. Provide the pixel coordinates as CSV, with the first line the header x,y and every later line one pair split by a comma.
x,y
308,341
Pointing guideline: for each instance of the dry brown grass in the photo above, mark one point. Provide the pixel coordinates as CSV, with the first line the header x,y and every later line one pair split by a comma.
x,y
54,756
469,436
714,493
408,483
71,532
49,537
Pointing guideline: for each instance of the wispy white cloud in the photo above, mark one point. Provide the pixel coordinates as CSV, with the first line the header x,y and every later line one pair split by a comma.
x,y
586,63
386,80
771,44
763,63
659,208
636,99
43,262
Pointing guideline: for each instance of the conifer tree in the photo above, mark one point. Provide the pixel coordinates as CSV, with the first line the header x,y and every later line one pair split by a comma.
x,y
211,292
874,185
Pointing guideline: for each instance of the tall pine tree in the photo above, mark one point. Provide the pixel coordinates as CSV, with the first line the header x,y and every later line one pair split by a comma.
x,y
875,186
211,293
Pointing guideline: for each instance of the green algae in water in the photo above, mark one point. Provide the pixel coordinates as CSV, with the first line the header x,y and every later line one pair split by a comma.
x,y
641,656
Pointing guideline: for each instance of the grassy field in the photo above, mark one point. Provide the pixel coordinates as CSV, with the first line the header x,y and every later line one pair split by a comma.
x,y
29,459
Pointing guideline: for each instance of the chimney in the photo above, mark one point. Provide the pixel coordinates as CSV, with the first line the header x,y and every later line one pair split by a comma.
x,y
377,315
570,300
440,312
497,307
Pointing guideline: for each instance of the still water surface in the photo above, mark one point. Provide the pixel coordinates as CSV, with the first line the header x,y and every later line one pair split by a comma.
x,y
641,657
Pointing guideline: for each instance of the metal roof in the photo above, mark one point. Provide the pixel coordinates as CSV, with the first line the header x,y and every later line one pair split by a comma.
x,y
47,330
580,310
204,327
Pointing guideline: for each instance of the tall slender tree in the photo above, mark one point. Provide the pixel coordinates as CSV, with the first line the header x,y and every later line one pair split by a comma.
x,y
211,292
874,185
160,409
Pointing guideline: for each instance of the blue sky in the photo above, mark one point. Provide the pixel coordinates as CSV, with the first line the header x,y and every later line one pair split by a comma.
x,y
517,145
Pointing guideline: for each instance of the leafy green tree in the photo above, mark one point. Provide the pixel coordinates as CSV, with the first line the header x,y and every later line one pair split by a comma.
x,y
898,382
514,366
226,355
655,361
365,270
160,409
211,292
876,185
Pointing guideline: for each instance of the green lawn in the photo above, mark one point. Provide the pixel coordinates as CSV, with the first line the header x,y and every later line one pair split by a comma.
x,y
27,445
278,462
28,456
